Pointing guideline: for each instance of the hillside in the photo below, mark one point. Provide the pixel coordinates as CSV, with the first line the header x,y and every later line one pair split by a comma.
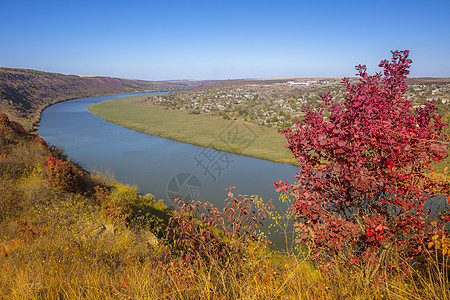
x,y
25,93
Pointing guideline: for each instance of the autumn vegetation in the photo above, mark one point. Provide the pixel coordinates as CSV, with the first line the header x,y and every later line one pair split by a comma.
x,y
365,176
368,220
25,93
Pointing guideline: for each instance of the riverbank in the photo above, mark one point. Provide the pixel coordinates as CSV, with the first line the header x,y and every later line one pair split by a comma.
x,y
205,131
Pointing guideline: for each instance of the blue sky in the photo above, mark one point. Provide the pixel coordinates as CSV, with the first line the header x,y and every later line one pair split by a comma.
x,y
159,40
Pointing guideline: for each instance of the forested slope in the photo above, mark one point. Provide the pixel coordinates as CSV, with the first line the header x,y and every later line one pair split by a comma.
x,y
25,93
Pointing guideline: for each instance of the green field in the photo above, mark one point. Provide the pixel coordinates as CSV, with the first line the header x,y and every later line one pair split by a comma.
x,y
206,131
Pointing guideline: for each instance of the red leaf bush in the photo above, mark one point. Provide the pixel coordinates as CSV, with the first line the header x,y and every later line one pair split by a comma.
x,y
365,169
63,175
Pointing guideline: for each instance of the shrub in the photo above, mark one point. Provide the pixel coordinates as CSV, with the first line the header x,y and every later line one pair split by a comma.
x,y
146,213
202,234
63,175
117,201
365,170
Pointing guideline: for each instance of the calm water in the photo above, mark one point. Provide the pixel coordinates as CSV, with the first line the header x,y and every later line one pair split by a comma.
x,y
159,166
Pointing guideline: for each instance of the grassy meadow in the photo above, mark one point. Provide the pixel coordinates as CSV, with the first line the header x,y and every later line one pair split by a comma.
x,y
206,131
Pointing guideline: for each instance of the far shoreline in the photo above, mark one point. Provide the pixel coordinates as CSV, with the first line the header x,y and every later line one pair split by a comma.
x,y
200,130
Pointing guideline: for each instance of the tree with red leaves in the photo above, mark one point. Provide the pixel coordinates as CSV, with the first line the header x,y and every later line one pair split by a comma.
x,y
365,169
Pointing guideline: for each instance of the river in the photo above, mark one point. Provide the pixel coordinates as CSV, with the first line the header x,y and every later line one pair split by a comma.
x,y
162,167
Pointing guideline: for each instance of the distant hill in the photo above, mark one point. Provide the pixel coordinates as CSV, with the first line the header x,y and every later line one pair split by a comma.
x,y
25,93
427,80
233,83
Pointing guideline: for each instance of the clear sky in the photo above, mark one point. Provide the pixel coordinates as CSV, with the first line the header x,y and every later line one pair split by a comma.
x,y
215,39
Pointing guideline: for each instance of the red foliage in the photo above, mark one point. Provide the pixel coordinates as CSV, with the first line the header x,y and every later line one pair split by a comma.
x,y
63,175
101,194
117,214
363,181
201,233
10,131
27,232
42,142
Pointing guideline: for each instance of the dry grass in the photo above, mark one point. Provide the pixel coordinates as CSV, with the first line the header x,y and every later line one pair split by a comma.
x,y
45,270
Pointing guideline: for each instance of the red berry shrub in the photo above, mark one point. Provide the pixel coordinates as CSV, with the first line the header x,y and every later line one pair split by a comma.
x,y
365,164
